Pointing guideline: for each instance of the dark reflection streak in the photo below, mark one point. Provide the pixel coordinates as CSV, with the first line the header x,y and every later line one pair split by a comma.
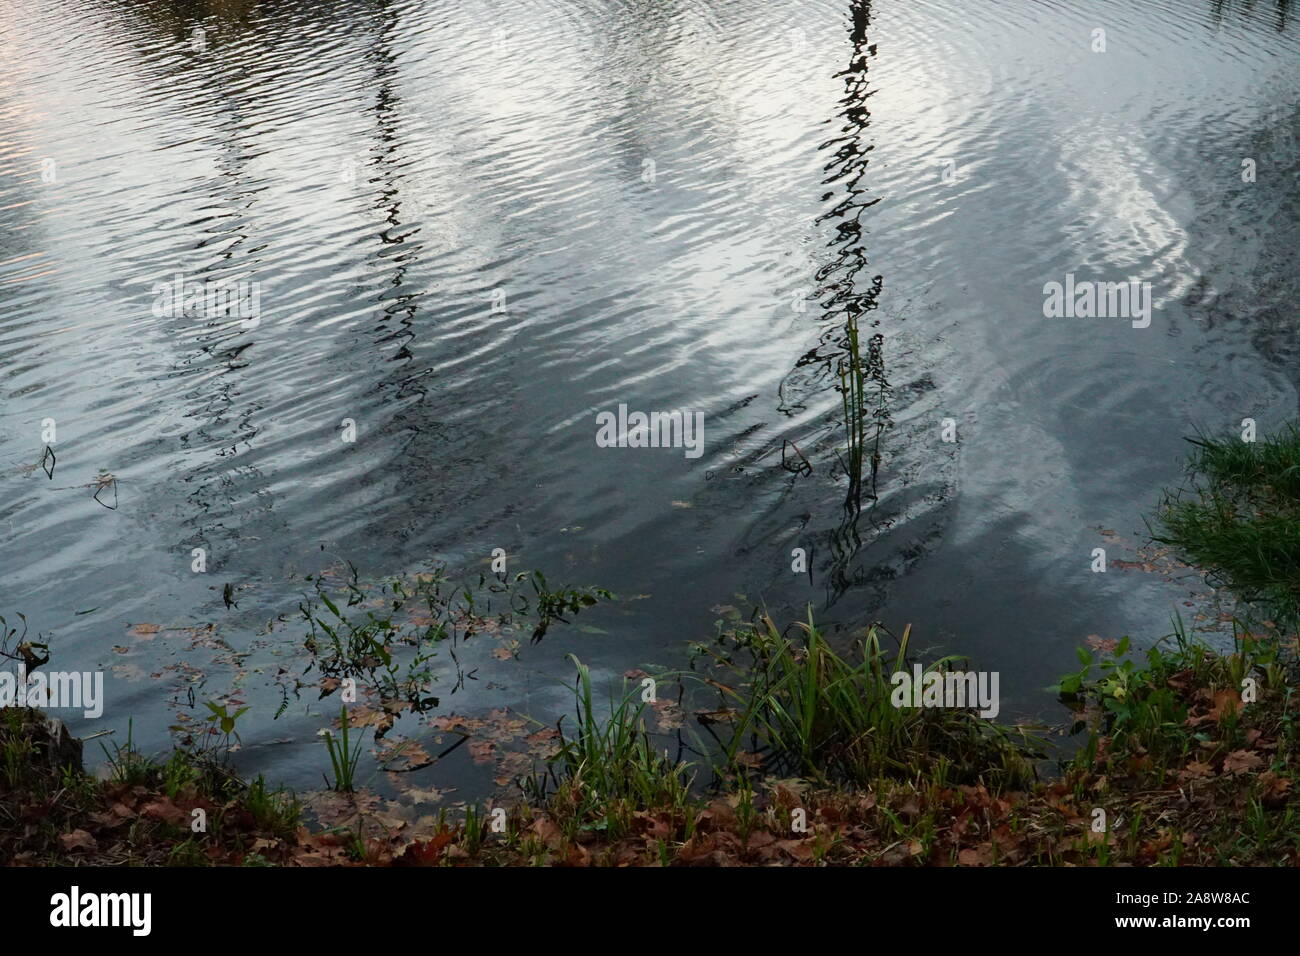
x,y
219,485
845,301
403,306
235,194
1219,10
837,287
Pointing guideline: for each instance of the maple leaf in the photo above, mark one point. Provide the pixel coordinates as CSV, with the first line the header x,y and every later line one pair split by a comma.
x,y
452,721
424,852
1241,761
334,809
718,816
415,793
1274,789
910,809
1104,644
404,755
163,809
504,653
548,831
106,821
976,856
544,742
800,851
1224,703
362,716
78,840
668,715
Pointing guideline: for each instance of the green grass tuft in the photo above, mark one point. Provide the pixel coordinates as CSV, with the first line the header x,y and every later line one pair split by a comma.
x,y
1239,519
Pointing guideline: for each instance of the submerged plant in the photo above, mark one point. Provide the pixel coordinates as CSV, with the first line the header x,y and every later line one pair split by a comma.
x,y
863,422
390,634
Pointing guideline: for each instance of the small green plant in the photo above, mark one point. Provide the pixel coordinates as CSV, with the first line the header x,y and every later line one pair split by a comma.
x,y
126,764
802,709
1113,689
344,757
553,605
222,725
276,811
179,771
18,751
1144,710
187,853
609,767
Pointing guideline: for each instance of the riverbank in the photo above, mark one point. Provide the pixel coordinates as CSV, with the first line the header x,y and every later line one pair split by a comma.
x,y
1175,769
1180,755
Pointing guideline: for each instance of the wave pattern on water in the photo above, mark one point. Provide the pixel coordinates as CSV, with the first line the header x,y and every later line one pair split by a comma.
x,y
476,225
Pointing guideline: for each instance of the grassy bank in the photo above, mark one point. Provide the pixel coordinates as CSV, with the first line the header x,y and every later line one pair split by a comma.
x,y
1183,754
188,809
1175,769
1238,519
